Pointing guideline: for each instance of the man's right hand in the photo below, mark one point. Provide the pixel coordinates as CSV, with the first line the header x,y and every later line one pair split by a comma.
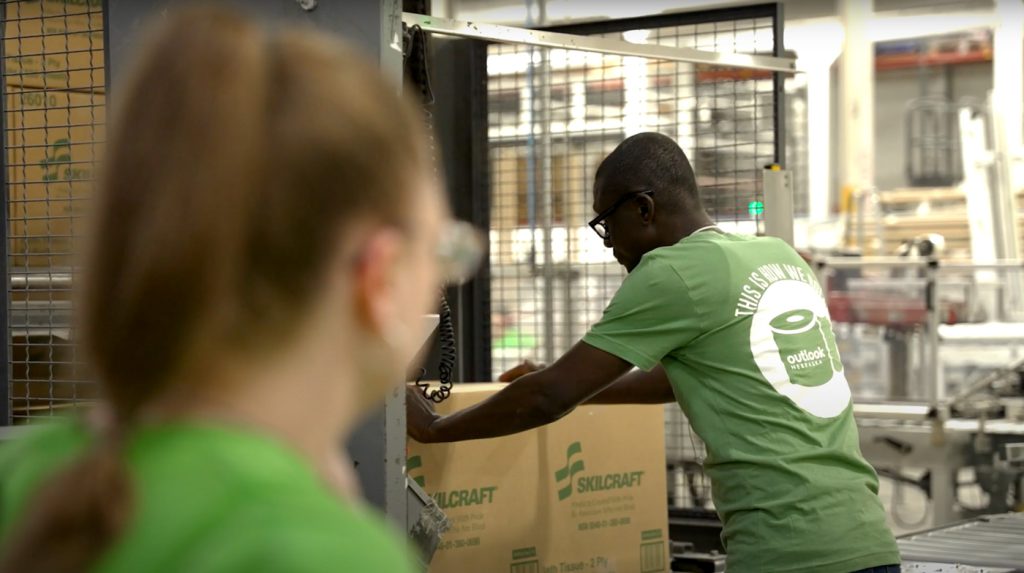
x,y
541,397
523,369
419,415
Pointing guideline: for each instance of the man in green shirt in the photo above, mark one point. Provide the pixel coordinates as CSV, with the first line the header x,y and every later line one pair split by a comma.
x,y
735,328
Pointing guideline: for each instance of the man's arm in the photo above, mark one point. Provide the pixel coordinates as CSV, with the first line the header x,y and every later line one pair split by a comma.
x,y
532,401
638,387
634,387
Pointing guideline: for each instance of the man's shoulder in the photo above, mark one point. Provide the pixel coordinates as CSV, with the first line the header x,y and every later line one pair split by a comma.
x,y
704,249
712,248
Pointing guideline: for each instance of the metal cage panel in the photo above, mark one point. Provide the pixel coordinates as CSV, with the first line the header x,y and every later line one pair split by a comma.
x,y
53,124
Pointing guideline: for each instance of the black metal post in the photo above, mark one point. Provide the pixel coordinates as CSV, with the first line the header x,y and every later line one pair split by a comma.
x,y
461,132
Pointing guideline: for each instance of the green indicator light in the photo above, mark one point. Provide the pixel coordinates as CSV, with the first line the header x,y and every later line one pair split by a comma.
x,y
755,208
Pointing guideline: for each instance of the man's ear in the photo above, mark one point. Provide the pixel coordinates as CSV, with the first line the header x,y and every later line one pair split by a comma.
x,y
646,203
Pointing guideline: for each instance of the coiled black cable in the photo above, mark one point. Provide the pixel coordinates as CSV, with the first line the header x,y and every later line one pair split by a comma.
x,y
414,51
446,363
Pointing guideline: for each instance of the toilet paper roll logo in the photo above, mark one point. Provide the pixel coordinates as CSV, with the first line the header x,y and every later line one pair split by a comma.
x,y
793,346
803,347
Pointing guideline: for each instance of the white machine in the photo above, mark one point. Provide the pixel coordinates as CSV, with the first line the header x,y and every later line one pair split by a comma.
x,y
963,429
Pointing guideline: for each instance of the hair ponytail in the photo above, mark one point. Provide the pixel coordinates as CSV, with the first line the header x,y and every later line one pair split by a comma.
x,y
74,518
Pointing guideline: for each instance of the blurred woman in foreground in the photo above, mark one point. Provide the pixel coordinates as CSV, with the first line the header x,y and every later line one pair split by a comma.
x,y
267,239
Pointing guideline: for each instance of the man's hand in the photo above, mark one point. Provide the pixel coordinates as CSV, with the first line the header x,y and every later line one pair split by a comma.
x,y
519,371
419,415
533,400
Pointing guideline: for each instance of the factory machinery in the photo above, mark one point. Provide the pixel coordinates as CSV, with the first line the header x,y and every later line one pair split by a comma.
x,y
980,430
940,403
954,435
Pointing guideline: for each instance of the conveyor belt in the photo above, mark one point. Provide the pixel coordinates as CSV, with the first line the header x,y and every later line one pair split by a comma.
x,y
991,541
947,568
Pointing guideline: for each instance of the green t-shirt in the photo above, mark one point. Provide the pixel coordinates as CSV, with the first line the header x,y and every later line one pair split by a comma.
x,y
743,331
212,499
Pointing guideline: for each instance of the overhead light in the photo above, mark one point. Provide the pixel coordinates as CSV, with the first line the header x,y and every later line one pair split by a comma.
x,y
636,36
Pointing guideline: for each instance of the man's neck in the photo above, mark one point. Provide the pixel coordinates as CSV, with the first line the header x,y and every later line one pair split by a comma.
x,y
686,228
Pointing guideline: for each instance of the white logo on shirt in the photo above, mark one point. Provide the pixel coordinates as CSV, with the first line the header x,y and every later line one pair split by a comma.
x,y
791,339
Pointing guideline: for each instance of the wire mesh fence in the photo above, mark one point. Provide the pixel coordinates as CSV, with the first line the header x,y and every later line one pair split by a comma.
x,y
553,115
54,113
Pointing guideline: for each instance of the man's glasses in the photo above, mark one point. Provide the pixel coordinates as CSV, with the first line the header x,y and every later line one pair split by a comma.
x,y
600,223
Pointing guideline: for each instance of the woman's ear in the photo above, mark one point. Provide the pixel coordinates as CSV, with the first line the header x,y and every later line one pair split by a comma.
x,y
374,279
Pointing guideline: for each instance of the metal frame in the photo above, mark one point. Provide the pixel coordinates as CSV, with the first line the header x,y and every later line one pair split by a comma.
x,y
389,448
549,39
898,262
5,348
778,203
106,42
937,390
770,10
779,37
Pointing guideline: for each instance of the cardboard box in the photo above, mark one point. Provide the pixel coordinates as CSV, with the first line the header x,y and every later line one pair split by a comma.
x,y
586,494
53,140
55,44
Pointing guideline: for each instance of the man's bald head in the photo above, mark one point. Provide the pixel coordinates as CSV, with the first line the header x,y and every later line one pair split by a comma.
x,y
646,197
649,161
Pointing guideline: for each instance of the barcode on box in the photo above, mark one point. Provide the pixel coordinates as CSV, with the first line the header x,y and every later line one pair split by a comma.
x,y
652,557
527,567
